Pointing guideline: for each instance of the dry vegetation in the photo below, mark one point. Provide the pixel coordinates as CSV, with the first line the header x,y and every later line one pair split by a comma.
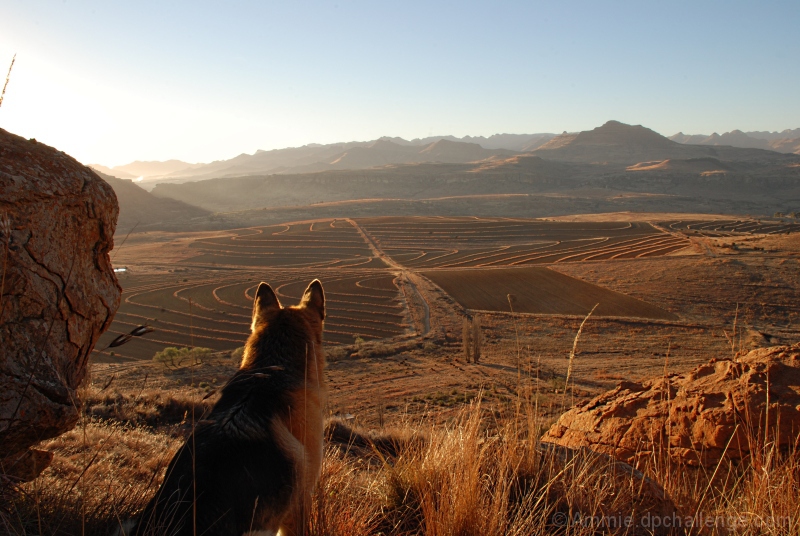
x,y
475,475
483,242
464,456
538,290
731,227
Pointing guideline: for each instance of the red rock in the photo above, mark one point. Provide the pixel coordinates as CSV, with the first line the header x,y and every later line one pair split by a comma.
x,y
59,292
26,465
717,410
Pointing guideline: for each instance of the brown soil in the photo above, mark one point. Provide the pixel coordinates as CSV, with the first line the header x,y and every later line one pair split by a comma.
x,y
538,290
422,369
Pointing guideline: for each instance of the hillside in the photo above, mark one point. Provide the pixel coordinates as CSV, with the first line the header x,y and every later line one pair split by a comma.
x,y
510,142
618,143
786,145
458,152
138,208
523,174
693,165
355,155
112,172
613,167
614,142
787,141
153,169
384,152
263,162
316,157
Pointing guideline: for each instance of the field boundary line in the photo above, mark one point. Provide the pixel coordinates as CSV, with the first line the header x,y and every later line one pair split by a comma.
x,y
404,273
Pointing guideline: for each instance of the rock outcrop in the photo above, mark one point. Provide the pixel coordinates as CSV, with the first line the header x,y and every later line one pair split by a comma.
x,y
728,408
59,292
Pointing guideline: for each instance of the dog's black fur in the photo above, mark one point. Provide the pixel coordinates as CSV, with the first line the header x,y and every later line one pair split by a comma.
x,y
247,465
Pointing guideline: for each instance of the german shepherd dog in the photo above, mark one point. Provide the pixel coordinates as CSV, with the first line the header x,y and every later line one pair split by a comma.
x,y
251,465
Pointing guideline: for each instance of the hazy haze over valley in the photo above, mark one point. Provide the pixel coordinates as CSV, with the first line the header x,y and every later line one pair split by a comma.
x,y
614,167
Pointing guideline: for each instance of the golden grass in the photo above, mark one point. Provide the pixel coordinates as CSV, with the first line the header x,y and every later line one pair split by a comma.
x,y
102,473
478,474
474,476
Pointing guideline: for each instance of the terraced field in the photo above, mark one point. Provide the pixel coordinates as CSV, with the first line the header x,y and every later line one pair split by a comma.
x,y
217,273
420,243
538,290
719,228
363,303
319,244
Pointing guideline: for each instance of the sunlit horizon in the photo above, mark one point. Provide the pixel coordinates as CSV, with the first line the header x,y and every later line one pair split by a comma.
x,y
113,84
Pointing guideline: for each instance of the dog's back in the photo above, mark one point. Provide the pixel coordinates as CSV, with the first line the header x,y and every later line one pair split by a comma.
x,y
252,464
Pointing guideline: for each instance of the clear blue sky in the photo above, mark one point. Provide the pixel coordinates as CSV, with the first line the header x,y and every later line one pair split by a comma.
x,y
110,82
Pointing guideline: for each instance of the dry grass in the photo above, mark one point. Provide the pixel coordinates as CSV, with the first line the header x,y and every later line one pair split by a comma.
x,y
482,472
102,473
474,476
150,407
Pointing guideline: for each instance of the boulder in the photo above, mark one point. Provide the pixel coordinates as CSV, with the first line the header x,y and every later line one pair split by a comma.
x,y
727,408
58,292
26,465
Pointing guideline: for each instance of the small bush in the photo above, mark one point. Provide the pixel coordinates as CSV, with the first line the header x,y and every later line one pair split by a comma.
x,y
337,353
172,357
237,355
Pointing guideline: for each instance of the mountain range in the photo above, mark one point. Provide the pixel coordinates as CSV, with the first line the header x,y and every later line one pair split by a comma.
x,y
787,141
608,163
641,144
610,168
618,143
315,157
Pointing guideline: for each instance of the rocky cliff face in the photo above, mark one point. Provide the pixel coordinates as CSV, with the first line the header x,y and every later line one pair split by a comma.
x,y
724,409
59,292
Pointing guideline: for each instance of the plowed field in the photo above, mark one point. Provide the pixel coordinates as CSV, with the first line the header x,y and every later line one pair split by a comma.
x,y
364,304
538,290
217,272
333,243
730,227
421,243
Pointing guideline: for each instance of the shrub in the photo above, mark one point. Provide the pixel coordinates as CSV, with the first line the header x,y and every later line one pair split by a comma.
x,y
237,355
172,357
337,353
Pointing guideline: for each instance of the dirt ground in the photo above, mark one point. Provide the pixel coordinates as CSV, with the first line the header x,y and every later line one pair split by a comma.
x,y
727,299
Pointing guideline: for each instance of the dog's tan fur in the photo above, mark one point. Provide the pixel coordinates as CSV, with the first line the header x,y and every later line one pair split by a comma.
x,y
253,464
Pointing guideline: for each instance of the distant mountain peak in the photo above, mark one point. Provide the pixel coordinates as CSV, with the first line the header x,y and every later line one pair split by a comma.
x,y
444,143
384,143
611,134
617,128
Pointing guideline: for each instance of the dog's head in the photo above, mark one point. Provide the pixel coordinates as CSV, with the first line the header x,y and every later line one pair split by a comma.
x,y
285,336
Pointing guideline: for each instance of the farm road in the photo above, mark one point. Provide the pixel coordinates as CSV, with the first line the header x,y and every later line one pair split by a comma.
x,y
408,276
701,243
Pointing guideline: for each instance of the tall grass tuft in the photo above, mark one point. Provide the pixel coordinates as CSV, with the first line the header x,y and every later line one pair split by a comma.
x,y
472,476
8,77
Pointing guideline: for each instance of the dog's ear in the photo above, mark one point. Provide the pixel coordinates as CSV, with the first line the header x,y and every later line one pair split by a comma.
x,y
265,305
314,298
